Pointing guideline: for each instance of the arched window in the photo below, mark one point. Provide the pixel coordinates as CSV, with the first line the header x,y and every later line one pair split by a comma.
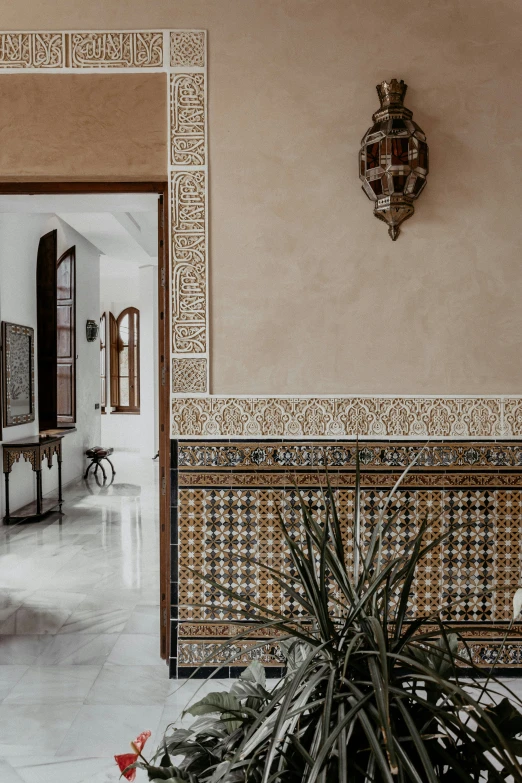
x,y
125,361
103,362
66,338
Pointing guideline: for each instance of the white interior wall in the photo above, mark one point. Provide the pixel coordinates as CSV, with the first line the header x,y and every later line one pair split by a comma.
x,y
19,238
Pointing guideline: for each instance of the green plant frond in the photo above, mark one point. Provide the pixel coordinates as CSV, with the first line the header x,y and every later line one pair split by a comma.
x,y
418,741
373,693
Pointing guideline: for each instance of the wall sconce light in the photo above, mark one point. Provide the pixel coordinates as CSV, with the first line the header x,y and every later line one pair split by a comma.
x,y
393,160
91,330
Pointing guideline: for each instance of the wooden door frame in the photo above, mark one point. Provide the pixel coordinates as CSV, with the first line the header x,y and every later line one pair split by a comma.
x,y
161,188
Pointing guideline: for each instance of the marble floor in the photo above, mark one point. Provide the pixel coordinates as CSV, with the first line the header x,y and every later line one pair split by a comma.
x,y
80,670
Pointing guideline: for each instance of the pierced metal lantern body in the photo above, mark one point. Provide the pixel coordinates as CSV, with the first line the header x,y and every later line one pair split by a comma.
x,y
91,330
393,160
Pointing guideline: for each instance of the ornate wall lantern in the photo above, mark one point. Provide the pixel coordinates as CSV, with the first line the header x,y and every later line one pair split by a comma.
x,y
91,330
393,161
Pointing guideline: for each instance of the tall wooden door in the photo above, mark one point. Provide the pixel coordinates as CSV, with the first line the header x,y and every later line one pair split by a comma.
x,y
46,329
66,338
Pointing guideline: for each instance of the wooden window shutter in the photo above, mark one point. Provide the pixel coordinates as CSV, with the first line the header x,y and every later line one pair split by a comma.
x,y
46,329
66,338
114,361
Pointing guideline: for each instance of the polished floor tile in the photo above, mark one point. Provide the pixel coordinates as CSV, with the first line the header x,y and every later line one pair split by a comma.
x,y
77,648
31,728
8,773
116,684
103,730
23,649
80,669
49,769
53,685
9,676
145,618
135,648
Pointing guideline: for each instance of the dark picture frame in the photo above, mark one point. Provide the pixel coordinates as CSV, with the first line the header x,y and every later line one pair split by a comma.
x,y
18,398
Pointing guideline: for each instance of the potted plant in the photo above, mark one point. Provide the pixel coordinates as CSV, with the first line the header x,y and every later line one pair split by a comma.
x,y
372,694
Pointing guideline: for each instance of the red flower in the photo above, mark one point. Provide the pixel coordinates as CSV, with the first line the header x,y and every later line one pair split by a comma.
x,y
126,759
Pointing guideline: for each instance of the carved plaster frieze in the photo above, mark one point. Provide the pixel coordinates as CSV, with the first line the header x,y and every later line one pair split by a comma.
x,y
32,50
189,260
327,417
187,103
117,50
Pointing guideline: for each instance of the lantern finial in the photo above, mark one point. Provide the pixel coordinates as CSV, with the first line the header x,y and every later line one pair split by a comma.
x,y
391,94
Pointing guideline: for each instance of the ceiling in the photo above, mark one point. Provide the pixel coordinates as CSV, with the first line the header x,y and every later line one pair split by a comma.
x,y
123,226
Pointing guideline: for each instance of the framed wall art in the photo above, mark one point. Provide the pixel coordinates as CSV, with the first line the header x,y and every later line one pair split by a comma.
x,y
18,404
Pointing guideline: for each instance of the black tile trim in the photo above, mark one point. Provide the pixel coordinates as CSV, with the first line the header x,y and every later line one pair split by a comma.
x,y
227,672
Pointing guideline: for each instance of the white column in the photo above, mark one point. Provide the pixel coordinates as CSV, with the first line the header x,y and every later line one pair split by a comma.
x,y
149,360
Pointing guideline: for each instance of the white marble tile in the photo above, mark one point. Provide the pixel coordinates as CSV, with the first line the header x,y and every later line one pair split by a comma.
x,y
116,684
76,648
145,618
12,599
19,570
28,729
54,685
107,730
94,617
33,620
8,774
23,649
48,769
9,676
132,649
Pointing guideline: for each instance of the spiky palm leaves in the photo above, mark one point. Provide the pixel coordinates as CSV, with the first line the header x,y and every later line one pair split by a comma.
x,y
373,694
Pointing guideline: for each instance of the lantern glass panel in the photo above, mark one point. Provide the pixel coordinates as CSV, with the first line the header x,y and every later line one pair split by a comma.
x,y
399,151
423,155
372,156
376,186
419,184
399,127
399,183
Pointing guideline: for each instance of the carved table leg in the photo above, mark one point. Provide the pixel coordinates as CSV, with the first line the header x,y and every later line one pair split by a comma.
x,y
6,519
39,491
60,498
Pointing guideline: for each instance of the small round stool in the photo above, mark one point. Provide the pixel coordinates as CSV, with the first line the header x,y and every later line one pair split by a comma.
x,y
96,455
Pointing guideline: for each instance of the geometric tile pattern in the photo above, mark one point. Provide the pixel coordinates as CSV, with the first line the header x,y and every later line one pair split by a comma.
x,y
230,532
189,375
348,416
187,48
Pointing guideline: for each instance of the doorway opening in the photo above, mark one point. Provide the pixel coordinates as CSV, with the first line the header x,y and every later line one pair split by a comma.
x,y
105,382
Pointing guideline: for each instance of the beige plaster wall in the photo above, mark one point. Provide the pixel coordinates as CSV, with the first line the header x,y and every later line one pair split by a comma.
x,y
308,293
63,126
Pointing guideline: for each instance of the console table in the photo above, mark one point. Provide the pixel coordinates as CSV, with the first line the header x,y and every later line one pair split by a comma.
x,y
34,450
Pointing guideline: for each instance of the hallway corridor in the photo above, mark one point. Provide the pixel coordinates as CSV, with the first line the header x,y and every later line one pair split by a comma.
x,y
80,670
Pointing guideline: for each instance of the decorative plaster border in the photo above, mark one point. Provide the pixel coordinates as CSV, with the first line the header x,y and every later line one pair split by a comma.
x,y
182,55
348,417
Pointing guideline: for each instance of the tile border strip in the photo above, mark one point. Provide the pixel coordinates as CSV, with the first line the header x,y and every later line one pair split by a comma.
x,y
349,416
